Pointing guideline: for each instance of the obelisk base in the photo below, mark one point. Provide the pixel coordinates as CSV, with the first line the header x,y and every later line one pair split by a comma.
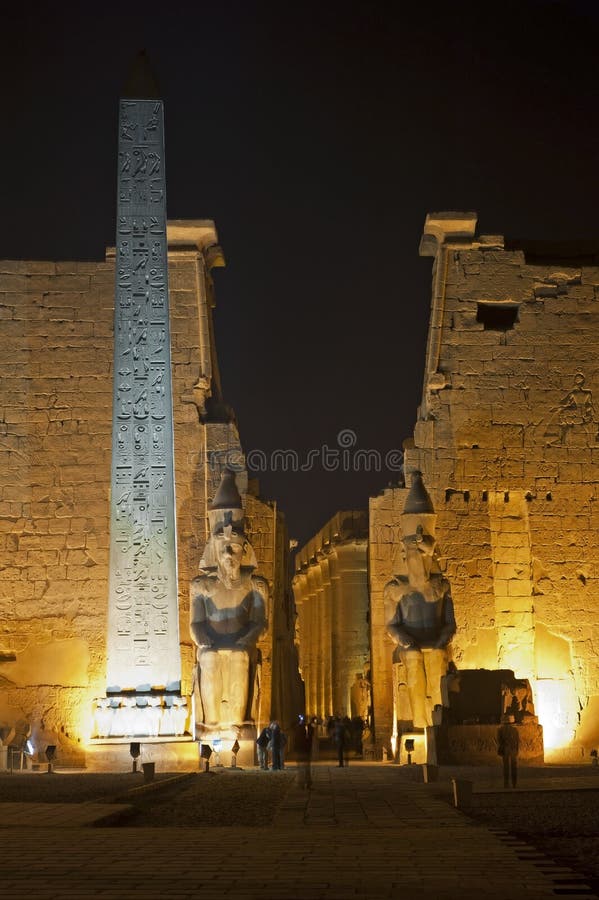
x,y
128,717
178,755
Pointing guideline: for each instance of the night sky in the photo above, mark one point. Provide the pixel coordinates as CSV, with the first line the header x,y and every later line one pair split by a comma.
x,y
317,137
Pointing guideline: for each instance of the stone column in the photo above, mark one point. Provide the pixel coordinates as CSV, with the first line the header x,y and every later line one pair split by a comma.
x,y
336,642
301,604
327,629
321,638
338,684
312,637
350,628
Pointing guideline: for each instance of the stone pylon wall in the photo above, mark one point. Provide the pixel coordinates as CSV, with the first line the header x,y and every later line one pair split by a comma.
x,y
507,440
56,340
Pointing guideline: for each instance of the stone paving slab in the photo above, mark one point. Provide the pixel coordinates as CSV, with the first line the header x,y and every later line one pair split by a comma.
x,y
361,796
361,833
266,864
59,815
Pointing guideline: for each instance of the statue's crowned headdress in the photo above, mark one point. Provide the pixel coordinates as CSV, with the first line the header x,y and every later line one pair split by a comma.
x,y
418,514
226,509
227,519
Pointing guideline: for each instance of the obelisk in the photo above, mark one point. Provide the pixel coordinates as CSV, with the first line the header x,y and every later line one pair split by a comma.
x,y
143,630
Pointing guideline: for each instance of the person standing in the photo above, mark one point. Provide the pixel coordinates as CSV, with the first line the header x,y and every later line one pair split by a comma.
x,y
508,746
277,742
340,739
262,742
302,744
315,749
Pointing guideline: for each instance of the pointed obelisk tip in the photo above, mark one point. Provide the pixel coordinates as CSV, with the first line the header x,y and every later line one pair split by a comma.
x,y
141,83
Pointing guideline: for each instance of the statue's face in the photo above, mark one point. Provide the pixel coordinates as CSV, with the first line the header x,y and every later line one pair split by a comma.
x,y
229,552
419,544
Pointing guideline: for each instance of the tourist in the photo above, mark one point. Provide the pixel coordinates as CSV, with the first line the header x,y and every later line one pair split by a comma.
x,y
303,737
341,738
277,744
357,729
262,743
508,745
315,750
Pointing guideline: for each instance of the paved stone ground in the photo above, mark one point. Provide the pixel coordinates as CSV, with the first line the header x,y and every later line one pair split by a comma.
x,y
362,832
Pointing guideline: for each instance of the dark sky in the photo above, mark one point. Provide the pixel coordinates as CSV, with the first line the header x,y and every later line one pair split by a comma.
x,y
317,137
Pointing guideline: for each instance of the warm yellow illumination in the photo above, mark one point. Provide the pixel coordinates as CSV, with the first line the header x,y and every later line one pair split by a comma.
x,y
84,722
555,705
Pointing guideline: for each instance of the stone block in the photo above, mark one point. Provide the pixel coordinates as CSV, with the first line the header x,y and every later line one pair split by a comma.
x,y
570,472
510,539
44,283
477,744
509,571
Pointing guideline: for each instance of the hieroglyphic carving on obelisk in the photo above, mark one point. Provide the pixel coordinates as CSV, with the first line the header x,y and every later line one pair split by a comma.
x,y
143,632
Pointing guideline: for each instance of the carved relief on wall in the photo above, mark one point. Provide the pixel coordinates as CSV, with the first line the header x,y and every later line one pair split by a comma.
x,y
574,420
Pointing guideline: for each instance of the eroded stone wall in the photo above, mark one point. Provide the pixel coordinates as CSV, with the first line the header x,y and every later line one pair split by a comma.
x,y
56,362
507,440
55,438
56,347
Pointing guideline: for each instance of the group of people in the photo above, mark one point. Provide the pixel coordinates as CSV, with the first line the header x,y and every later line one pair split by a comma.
x,y
272,740
344,733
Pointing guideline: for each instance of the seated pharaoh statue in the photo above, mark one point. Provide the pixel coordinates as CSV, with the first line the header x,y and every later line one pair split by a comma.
x,y
228,615
421,618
